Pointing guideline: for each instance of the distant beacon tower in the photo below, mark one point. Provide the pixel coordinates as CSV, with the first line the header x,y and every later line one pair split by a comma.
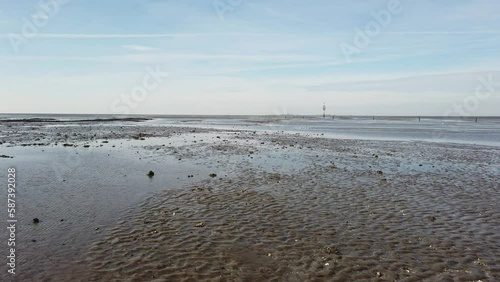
x,y
324,110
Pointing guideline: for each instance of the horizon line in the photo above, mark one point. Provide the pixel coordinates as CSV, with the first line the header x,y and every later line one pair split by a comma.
x,y
254,115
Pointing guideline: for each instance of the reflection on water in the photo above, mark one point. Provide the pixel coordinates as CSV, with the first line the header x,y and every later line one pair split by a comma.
x,y
465,131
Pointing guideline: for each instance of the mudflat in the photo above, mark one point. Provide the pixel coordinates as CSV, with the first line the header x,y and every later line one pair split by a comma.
x,y
243,205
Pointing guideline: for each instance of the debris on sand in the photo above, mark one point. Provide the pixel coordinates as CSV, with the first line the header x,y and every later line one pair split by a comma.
x,y
431,218
213,175
6,157
140,136
36,220
201,224
331,250
380,172
151,173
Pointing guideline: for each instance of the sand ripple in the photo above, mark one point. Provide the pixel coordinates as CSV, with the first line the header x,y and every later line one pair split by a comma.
x,y
265,227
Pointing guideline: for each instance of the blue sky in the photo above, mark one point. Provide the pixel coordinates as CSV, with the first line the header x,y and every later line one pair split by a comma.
x,y
250,56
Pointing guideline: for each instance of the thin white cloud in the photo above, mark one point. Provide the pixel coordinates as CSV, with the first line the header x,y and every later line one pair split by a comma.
x,y
438,83
171,35
125,36
140,48
40,16
165,57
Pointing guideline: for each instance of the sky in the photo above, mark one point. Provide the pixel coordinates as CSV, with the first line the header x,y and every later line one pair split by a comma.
x,y
378,57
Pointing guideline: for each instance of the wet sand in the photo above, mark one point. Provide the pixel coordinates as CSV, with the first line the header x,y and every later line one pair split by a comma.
x,y
282,207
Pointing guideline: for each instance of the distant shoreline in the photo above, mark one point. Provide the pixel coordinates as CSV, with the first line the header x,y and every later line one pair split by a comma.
x,y
145,117
51,120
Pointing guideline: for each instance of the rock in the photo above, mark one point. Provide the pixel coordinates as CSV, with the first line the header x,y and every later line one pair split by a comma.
x,y
86,146
151,173
380,172
331,250
6,157
431,218
213,175
201,224
105,141
36,220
